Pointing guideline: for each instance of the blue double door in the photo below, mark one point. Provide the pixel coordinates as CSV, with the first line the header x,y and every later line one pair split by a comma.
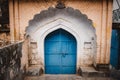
x,y
60,53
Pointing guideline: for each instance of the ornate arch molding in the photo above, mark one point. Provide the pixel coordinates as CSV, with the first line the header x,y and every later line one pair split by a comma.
x,y
69,14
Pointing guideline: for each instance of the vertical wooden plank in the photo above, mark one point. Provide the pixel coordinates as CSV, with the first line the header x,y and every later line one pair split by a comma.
x,y
11,14
99,36
16,19
103,41
21,31
109,30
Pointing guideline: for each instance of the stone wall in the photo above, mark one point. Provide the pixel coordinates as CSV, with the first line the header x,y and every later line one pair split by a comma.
x,y
10,61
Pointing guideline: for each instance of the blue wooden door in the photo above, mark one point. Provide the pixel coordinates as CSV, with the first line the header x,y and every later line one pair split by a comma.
x,y
114,56
60,53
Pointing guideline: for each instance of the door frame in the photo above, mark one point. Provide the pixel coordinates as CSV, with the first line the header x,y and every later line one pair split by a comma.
x,y
44,31
77,31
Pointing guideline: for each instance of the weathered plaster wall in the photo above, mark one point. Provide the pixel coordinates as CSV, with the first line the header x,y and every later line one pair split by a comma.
x,y
99,11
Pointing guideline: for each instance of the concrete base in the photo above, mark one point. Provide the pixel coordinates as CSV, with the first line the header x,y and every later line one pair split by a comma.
x,y
34,71
91,72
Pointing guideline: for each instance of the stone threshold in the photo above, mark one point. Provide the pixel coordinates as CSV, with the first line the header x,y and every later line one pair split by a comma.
x,y
65,77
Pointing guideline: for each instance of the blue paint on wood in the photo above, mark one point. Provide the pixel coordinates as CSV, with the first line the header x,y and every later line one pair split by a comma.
x,y
60,53
115,47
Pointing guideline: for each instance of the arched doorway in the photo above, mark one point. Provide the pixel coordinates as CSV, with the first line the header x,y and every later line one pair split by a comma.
x,y
78,25
60,53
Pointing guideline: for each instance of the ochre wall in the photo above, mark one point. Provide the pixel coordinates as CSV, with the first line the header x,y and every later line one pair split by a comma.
x,y
99,11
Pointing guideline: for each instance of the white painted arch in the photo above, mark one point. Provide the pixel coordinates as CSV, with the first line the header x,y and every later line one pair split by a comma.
x,y
47,29
79,26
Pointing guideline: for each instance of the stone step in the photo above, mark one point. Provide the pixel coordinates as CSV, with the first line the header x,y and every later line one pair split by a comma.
x,y
102,67
91,72
34,71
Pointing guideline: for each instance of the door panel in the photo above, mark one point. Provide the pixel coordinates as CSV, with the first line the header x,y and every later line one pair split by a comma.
x,y
68,47
54,36
53,60
60,53
115,47
52,47
71,49
69,60
68,70
53,70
